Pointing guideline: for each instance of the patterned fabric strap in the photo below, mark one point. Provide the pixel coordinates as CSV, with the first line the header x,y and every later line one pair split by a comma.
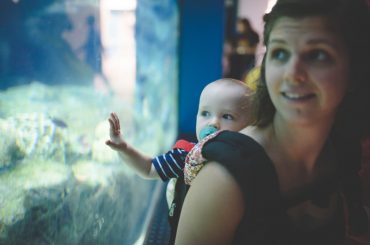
x,y
194,160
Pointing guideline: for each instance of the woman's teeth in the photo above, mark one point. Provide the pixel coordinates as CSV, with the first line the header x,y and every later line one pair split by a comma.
x,y
295,96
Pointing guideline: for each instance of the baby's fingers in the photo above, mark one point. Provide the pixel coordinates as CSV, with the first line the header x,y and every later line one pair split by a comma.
x,y
111,144
114,124
115,146
113,130
116,120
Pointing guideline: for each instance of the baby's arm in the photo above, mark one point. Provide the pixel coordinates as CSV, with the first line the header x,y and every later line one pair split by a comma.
x,y
141,163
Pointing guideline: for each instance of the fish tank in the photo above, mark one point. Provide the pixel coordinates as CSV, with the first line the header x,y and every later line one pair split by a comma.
x,y
65,65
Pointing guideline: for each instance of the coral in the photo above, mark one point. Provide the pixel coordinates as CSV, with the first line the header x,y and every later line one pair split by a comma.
x,y
9,150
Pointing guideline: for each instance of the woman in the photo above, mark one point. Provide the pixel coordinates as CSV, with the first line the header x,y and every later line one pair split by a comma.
x,y
279,181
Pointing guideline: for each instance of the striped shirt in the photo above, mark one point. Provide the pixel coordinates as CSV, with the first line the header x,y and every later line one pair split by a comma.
x,y
171,164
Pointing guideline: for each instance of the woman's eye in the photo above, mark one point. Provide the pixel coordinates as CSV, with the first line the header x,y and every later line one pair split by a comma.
x,y
279,55
228,117
317,56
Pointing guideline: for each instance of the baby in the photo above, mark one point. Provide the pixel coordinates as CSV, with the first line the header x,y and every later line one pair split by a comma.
x,y
223,105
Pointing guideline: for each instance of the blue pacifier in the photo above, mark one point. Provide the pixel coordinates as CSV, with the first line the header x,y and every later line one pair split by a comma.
x,y
207,131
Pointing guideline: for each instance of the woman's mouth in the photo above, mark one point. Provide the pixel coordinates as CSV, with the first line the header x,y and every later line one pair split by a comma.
x,y
297,96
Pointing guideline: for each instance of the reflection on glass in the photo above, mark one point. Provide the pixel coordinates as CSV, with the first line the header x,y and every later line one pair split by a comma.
x,y
64,66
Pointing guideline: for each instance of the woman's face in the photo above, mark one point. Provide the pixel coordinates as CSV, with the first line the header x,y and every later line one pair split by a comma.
x,y
307,69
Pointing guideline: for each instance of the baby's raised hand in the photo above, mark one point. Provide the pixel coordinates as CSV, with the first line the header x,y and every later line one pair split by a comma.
x,y
116,141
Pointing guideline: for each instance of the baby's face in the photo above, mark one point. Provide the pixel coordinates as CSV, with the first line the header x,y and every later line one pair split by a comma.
x,y
223,106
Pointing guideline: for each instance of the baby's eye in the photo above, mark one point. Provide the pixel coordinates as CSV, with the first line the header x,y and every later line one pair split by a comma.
x,y
205,113
279,55
228,117
318,56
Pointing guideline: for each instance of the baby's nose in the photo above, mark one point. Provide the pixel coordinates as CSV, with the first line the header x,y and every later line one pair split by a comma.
x,y
214,122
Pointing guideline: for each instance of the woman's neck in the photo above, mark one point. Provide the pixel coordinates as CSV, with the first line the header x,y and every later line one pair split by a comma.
x,y
298,143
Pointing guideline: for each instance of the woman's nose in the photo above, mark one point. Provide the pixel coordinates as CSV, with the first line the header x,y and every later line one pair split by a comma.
x,y
295,71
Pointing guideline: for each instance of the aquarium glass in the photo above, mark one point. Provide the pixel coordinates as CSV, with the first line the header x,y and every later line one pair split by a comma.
x,y
65,65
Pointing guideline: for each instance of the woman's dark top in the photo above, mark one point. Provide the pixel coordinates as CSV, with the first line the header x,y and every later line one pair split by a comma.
x,y
265,220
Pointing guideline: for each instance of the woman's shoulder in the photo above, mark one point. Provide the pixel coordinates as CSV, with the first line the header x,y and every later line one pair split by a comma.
x,y
235,140
215,191
244,158
233,147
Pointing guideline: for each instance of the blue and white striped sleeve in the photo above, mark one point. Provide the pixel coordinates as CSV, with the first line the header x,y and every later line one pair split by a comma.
x,y
171,164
